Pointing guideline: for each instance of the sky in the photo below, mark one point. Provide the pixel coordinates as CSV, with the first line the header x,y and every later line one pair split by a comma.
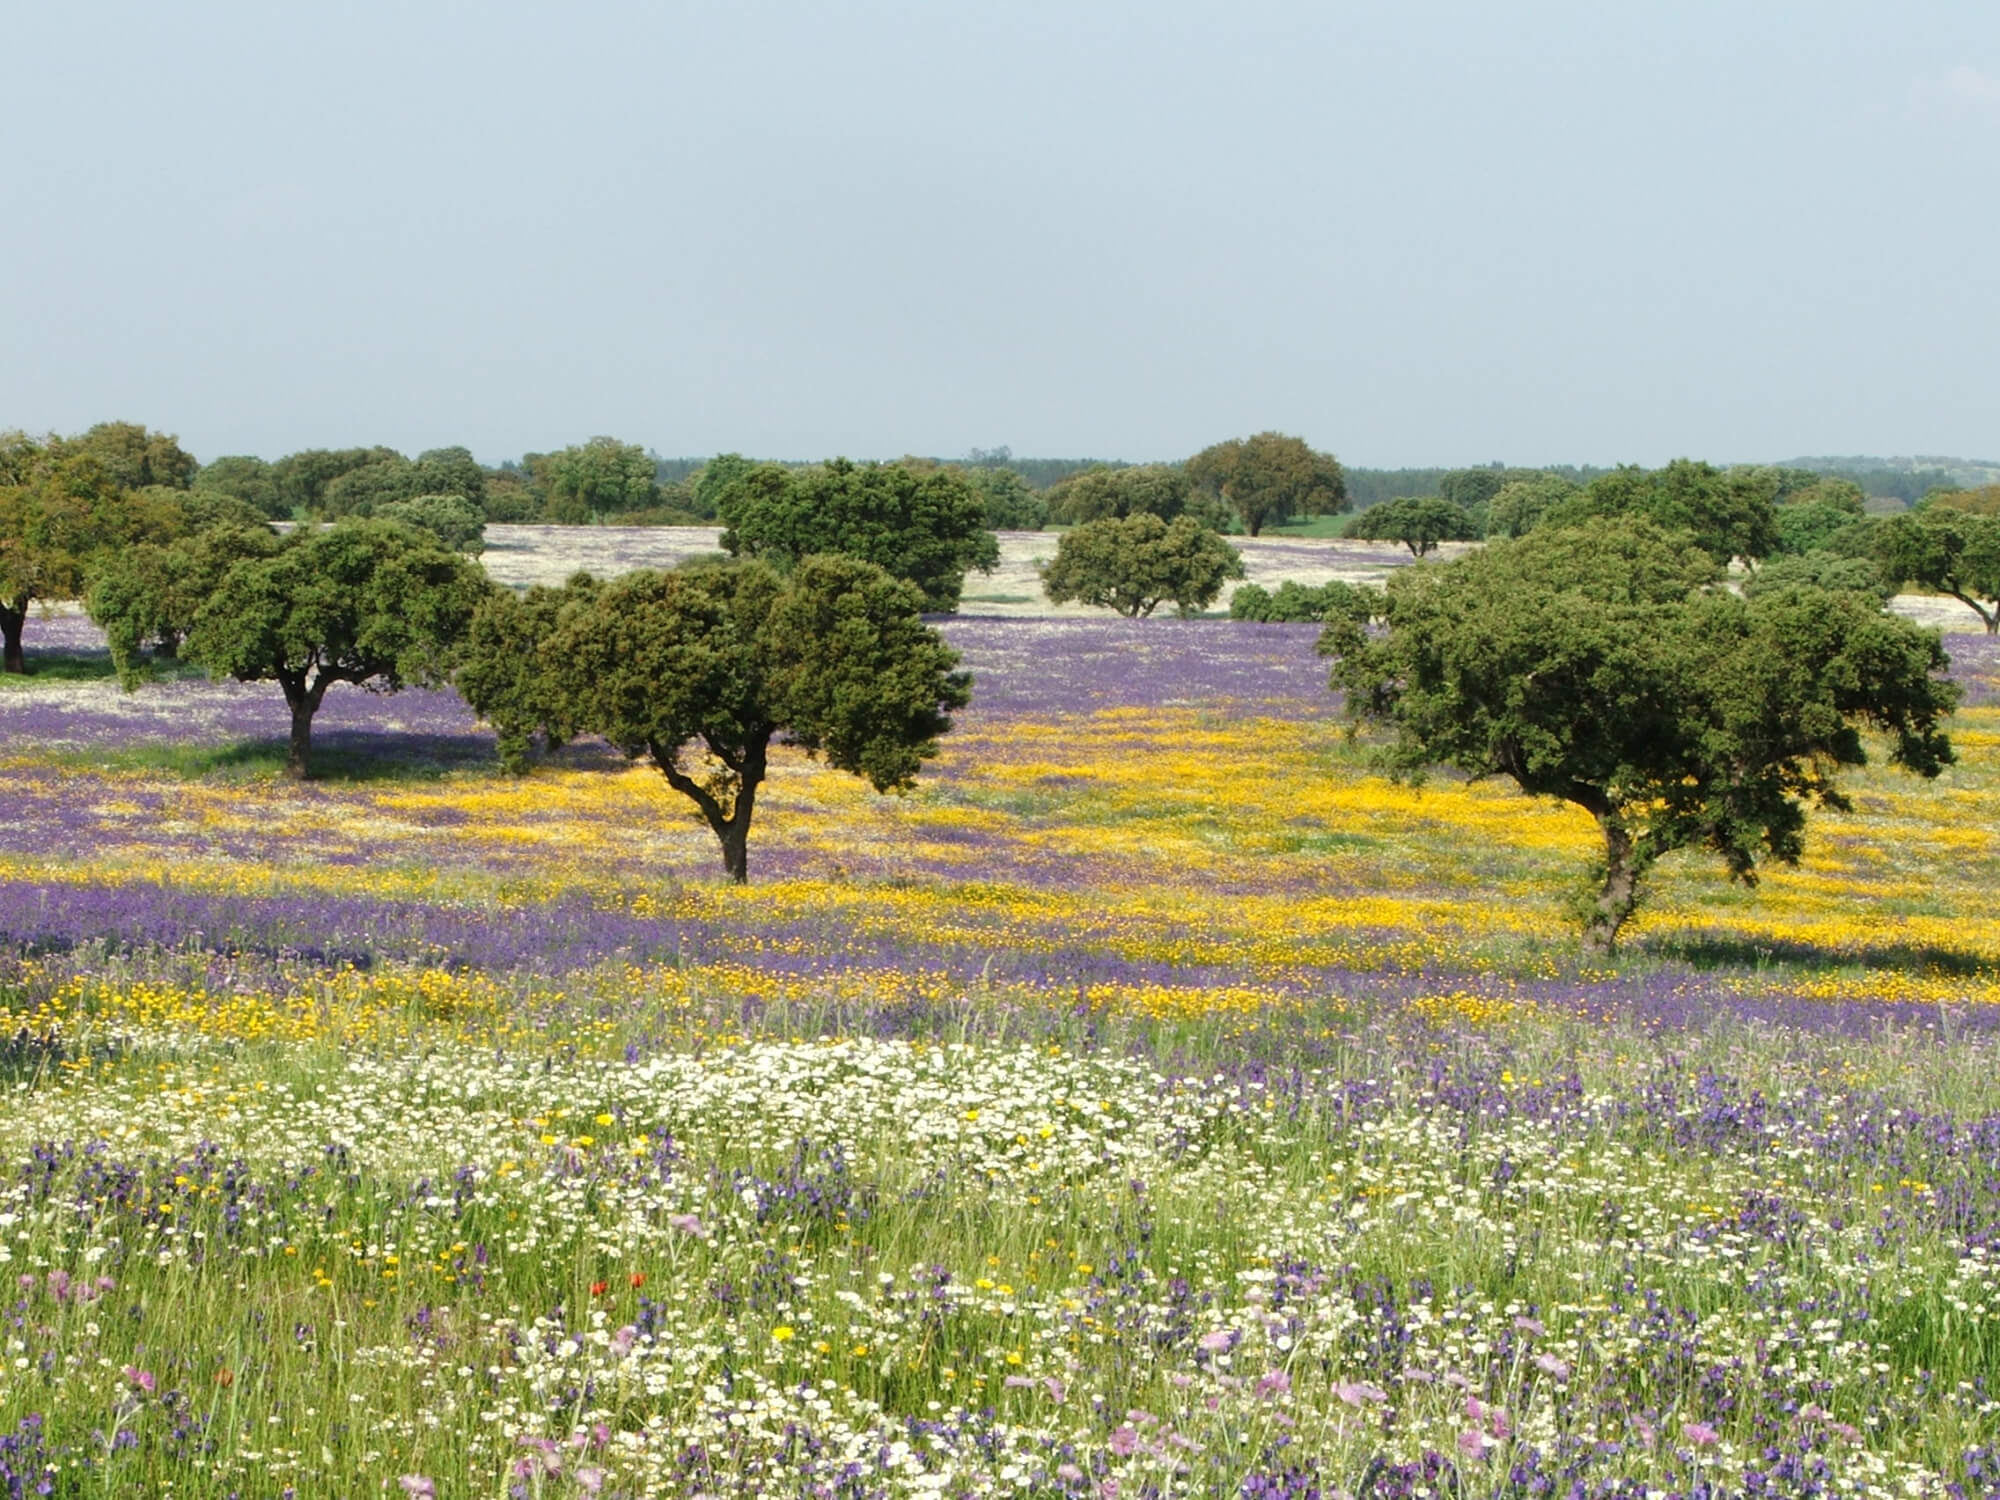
x,y
1413,232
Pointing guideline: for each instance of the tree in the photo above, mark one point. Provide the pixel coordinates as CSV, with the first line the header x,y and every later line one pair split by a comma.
x,y
1010,504
716,476
250,480
1419,522
1607,667
1947,551
1829,571
453,519
135,456
302,478
1136,563
1158,489
55,527
599,478
151,592
504,673
1518,507
1729,515
370,602
1300,603
1269,478
702,668
929,528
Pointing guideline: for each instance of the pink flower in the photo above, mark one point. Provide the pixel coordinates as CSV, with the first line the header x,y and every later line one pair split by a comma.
x,y
623,1340
1275,1383
1068,1473
1219,1340
1359,1393
1548,1364
1530,1325
1125,1441
688,1224
143,1379
590,1481
1700,1434
1057,1390
1474,1444
419,1486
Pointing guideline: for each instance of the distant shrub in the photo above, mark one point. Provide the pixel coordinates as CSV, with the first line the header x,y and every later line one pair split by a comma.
x,y
1300,603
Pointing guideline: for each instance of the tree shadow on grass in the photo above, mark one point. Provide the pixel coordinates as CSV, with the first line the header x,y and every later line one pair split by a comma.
x,y
89,665
1717,952
347,757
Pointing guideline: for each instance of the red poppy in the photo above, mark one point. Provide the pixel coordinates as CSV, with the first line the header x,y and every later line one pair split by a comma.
x,y
599,1288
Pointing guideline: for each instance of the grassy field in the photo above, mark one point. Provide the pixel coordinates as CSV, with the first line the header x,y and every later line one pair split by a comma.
x,y
1154,1103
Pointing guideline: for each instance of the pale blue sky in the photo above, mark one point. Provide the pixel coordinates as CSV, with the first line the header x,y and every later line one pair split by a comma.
x,y
1412,232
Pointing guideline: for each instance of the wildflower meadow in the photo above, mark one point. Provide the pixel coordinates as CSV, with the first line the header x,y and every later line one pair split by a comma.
x,y
1156,1102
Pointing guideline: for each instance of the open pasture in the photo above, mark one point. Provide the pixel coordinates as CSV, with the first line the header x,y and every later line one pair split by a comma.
x,y
1154,1103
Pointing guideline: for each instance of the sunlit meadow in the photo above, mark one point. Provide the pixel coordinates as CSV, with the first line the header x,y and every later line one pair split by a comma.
x,y
1154,1103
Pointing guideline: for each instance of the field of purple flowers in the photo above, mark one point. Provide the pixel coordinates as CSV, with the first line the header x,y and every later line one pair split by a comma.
x,y
1153,1104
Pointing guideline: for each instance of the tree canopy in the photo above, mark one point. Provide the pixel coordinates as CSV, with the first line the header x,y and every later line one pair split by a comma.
x,y
1947,551
1159,489
1305,603
1606,666
149,593
926,527
1134,564
66,514
1729,513
370,602
1419,522
702,668
1269,478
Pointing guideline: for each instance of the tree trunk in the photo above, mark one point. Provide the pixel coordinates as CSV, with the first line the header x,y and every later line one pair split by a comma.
x,y
1619,893
304,703
11,621
298,756
731,828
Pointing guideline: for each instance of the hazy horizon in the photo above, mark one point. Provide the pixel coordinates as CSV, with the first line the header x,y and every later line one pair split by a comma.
x,y
1418,234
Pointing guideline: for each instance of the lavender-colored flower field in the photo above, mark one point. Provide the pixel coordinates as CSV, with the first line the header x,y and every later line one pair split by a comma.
x,y
1155,1105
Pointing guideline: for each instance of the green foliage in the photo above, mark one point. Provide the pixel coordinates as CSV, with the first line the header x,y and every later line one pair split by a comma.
x,y
453,519
150,593
1821,570
1010,504
1269,478
135,457
250,481
600,478
701,668
1729,514
716,476
927,527
504,673
1983,500
1135,563
1947,551
364,601
1472,488
1155,489
1303,603
68,514
1517,507
1607,667
1419,522
1810,524
302,478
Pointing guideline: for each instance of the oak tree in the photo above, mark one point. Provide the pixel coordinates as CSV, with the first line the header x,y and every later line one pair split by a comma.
x,y
1609,667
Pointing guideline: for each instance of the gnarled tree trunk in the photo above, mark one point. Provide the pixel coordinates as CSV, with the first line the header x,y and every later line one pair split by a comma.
x,y
1618,894
730,823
